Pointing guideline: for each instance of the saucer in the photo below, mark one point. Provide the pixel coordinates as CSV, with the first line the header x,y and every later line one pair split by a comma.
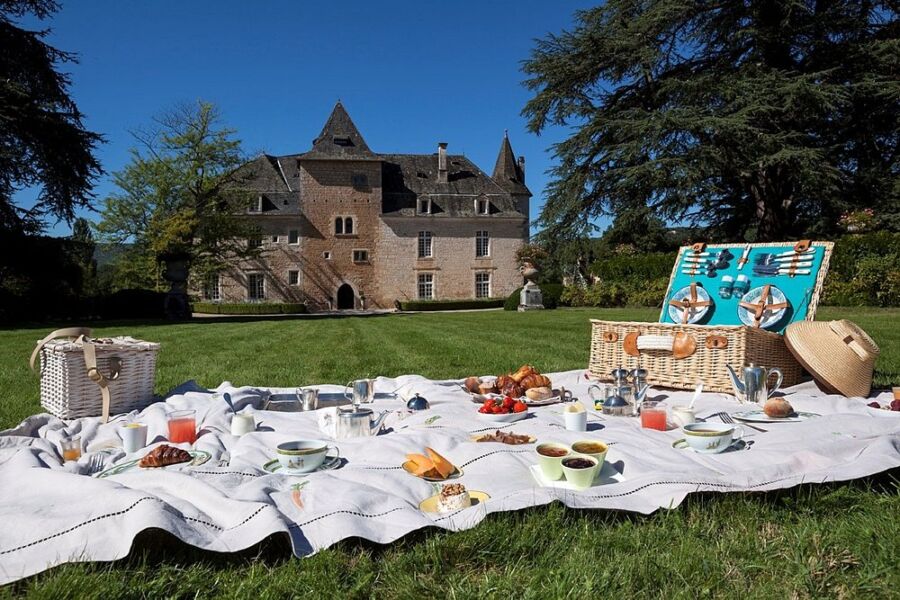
x,y
430,504
198,457
274,467
758,416
734,446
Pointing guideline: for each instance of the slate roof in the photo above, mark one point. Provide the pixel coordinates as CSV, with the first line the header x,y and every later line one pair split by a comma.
x,y
340,139
405,177
507,171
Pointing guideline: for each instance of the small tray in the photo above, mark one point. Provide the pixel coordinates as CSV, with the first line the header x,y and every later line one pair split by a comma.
x,y
605,476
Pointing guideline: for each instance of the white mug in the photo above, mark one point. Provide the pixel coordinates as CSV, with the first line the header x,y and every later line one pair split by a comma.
x,y
576,421
134,436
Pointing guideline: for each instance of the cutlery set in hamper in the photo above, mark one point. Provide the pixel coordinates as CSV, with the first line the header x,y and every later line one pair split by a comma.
x,y
725,304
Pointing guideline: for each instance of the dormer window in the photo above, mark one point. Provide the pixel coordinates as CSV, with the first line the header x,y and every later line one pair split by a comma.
x,y
342,140
424,207
256,205
482,206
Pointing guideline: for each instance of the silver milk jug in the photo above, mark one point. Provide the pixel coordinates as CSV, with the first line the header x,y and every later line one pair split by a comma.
x,y
754,387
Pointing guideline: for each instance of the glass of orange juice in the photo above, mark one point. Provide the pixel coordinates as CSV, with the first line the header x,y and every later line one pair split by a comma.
x,y
653,415
182,426
71,448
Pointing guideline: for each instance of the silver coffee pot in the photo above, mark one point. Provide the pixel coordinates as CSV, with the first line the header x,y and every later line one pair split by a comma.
x,y
754,387
357,422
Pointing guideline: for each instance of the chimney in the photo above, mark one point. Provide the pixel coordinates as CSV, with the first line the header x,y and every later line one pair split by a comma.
x,y
442,162
521,164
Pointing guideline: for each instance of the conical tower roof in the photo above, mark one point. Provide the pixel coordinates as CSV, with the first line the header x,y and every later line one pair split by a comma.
x,y
507,172
340,138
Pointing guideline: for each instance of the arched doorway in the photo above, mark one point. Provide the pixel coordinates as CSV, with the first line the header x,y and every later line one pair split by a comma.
x,y
346,298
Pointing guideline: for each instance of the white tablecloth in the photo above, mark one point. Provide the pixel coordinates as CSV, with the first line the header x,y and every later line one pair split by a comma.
x,y
51,514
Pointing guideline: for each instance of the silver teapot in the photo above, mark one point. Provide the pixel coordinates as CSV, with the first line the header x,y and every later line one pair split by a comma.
x,y
754,387
357,422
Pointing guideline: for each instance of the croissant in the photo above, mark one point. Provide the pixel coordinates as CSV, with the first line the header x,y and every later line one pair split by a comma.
x,y
523,372
165,455
534,380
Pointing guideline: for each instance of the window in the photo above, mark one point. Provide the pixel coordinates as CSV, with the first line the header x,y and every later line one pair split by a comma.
x,y
211,289
482,206
424,207
342,140
425,238
254,241
482,285
274,239
256,286
482,244
359,180
426,286
256,205
360,256
294,236
293,277
343,226
326,255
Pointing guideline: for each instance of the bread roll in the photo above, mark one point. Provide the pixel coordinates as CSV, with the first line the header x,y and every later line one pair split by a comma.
x,y
512,389
778,408
487,387
503,381
471,384
539,393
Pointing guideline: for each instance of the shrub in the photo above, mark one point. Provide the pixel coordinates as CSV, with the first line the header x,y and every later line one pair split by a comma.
x,y
426,305
132,304
634,268
864,271
269,308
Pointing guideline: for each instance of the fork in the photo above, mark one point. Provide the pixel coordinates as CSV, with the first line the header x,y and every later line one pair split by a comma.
x,y
95,465
726,418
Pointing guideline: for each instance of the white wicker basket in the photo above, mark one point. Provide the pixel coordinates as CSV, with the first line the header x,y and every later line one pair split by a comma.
x,y
72,387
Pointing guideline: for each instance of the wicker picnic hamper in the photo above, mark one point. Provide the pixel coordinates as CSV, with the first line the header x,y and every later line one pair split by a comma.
x,y
680,355
83,376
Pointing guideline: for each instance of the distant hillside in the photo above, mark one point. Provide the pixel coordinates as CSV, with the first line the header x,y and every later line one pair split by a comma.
x,y
106,254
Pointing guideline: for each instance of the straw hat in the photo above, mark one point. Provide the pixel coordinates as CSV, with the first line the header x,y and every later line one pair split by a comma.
x,y
838,354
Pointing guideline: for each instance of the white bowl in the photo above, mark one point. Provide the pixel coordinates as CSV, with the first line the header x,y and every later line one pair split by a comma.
x,y
507,418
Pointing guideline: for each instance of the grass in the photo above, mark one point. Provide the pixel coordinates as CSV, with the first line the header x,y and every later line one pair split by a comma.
x,y
810,541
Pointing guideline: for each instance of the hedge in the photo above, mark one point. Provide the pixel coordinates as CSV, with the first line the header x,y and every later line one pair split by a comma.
x,y
425,305
250,308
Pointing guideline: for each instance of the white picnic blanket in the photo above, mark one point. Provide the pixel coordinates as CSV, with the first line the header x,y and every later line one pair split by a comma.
x,y
51,514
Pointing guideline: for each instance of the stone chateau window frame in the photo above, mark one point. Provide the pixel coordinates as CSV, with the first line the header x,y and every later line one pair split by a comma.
x,y
341,223
250,291
293,277
489,283
364,259
428,279
425,245
482,236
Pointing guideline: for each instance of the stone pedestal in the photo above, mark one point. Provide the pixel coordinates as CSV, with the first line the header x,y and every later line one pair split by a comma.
x,y
178,305
530,297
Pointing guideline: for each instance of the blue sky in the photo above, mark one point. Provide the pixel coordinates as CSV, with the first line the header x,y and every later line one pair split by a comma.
x,y
409,73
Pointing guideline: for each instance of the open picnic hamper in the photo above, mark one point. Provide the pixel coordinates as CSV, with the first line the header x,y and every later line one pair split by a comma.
x,y
701,331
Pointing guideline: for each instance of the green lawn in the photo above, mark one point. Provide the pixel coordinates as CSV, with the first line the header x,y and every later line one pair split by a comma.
x,y
812,541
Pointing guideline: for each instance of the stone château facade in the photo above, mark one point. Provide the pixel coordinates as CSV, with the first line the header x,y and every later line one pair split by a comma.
x,y
343,227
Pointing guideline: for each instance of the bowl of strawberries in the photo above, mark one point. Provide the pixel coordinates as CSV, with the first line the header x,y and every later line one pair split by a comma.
x,y
503,409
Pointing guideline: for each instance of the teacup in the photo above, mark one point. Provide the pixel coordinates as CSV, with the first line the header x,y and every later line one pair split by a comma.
x,y
592,448
710,438
550,456
580,470
303,455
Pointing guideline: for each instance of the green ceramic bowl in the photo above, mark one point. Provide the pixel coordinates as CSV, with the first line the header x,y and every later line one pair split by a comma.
x,y
551,466
580,478
591,448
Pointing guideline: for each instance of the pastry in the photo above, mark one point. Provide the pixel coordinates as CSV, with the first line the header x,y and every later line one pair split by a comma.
x,y
778,408
503,381
539,393
523,372
534,380
512,389
487,387
454,496
164,455
472,384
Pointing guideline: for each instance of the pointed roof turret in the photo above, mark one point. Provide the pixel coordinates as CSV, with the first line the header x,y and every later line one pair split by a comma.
x,y
340,138
507,172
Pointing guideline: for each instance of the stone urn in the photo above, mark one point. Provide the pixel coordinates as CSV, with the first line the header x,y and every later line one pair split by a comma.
x,y
530,298
177,303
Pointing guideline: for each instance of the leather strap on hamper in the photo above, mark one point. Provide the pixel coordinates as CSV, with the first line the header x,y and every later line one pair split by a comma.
x,y
82,334
681,345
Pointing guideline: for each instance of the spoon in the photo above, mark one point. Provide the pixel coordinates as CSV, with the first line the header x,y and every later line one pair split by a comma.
x,y
228,401
697,391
